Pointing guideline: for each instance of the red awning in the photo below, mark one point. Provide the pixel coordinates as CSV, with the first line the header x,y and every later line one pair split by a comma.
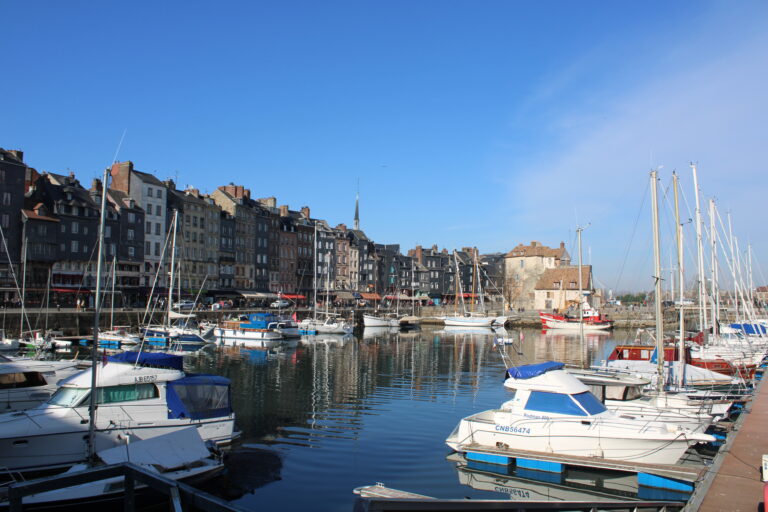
x,y
370,296
289,296
69,290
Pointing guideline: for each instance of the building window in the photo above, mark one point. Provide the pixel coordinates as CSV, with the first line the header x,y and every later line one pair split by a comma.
x,y
158,210
107,231
148,248
6,198
149,191
149,228
75,246
75,228
131,217
157,228
157,248
131,252
130,234
159,193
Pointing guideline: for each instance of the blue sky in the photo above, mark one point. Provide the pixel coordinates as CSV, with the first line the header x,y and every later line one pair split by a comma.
x,y
466,123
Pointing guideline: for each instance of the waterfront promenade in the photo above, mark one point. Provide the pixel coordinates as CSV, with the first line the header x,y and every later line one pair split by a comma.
x,y
737,485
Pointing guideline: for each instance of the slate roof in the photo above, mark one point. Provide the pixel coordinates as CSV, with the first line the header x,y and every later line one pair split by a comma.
x,y
566,276
536,249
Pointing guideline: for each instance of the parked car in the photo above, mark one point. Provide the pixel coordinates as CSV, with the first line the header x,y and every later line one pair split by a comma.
x,y
184,304
280,303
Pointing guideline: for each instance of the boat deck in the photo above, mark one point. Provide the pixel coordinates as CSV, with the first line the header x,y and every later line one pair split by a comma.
x,y
737,484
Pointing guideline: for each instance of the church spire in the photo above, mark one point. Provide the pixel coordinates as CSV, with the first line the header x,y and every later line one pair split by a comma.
x,y
357,211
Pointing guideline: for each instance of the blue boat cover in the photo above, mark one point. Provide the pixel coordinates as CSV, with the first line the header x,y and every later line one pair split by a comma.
x,y
532,370
198,397
749,328
150,359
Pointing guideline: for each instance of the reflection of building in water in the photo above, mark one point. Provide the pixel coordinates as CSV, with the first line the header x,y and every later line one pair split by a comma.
x,y
566,348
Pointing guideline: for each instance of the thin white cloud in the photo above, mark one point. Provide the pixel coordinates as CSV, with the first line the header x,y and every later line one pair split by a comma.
x,y
714,112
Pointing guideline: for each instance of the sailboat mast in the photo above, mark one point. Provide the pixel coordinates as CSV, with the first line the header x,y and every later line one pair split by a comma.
x,y
700,254
173,264
681,280
657,279
96,313
114,277
581,298
314,281
714,287
23,277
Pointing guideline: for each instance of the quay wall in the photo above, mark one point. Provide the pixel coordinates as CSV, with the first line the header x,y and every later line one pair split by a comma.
x,y
75,323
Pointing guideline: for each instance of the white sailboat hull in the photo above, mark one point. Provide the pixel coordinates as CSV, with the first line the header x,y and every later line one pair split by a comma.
x,y
469,321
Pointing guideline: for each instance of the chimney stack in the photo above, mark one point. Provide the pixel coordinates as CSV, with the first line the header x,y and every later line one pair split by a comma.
x,y
305,212
283,210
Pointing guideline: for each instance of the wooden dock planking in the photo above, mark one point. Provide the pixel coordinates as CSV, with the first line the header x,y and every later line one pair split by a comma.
x,y
737,484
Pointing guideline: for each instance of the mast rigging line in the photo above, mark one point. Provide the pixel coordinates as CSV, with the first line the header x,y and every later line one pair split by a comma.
x,y
632,237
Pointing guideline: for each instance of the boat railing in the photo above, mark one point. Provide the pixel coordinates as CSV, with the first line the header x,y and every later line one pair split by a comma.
x,y
178,493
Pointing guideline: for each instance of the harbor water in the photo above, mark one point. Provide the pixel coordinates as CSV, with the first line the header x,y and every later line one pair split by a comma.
x,y
323,415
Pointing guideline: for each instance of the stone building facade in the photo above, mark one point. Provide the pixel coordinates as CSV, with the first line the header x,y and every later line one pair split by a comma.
x,y
524,265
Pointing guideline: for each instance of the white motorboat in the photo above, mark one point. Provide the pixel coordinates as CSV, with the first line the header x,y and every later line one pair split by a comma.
x,y
332,324
134,399
180,456
257,330
552,411
381,320
623,394
26,383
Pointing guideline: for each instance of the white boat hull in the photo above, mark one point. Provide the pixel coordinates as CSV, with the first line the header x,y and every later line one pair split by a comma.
x,y
377,321
469,321
248,338
569,437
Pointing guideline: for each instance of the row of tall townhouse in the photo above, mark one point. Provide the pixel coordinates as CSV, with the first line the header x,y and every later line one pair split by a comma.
x,y
227,243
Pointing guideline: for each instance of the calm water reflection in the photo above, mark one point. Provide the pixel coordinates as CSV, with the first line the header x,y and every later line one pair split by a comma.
x,y
322,416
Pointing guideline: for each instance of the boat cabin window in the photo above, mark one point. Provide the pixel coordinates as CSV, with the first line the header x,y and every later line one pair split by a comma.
x,y
129,393
68,397
21,380
559,403
589,402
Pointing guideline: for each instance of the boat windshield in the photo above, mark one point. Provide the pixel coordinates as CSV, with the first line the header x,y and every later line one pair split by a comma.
x,y
589,402
68,397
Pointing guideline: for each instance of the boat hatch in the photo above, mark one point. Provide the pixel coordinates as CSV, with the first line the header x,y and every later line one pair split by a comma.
x,y
21,380
580,404
199,397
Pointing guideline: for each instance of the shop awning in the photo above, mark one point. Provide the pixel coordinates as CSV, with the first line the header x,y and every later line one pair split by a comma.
x,y
69,290
258,295
290,296
370,296
345,295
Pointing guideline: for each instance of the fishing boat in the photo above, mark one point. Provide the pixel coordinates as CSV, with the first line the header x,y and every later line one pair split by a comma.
x,y
181,456
141,395
592,320
254,330
552,411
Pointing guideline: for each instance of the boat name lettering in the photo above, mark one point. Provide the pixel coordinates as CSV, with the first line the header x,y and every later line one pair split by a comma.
x,y
511,491
146,378
513,429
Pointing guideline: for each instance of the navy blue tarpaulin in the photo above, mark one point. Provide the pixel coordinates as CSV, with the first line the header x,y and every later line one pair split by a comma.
x,y
198,397
532,370
150,359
